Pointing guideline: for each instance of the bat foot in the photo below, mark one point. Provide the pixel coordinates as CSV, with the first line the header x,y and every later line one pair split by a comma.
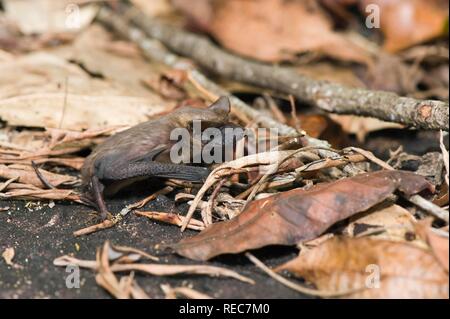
x,y
105,215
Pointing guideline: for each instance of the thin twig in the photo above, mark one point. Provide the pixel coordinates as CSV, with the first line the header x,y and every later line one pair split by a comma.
x,y
429,207
63,112
444,155
41,177
210,204
294,112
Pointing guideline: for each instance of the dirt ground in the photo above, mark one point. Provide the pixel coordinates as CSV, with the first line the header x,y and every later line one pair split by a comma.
x,y
39,234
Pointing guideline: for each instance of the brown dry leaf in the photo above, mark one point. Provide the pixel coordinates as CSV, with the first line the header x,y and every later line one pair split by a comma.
x,y
60,138
24,140
169,84
73,162
324,127
43,90
440,246
390,73
27,175
438,243
36,194
409,22
373,268
390,223
298,215
49,16
274,30
81,111
99,54
361,126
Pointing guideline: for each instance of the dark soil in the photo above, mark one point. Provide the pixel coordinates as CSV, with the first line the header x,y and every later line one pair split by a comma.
x,y
39,234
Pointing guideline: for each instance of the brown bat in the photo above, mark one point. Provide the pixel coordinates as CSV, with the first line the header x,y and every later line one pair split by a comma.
x,y
143,151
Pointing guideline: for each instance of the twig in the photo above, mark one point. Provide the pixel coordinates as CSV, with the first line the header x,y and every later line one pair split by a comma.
x,y
171,293
429,207
117,218
63,112
41,177
294,112
274,108
174,219
228,169
424,114
94,228
371,157
210,204
444,156
5,185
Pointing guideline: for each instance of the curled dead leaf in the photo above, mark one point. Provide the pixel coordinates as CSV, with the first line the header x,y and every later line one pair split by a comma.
x,y
298,215
373,268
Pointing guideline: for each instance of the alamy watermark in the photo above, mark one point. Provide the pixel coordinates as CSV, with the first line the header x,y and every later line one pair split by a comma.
x,y
73,19
73,278
374,278
373,16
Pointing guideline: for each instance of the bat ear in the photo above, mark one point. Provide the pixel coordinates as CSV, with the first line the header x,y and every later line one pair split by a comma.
x,y
221,106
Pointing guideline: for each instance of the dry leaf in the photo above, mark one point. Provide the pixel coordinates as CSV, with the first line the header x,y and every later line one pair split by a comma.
x,y
438,243
27,191
27,175
361,126
42,90
49,16
81,111
274,30
50,194
372,268
153,8
298,215
390,223
169,85
408,22
97,51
